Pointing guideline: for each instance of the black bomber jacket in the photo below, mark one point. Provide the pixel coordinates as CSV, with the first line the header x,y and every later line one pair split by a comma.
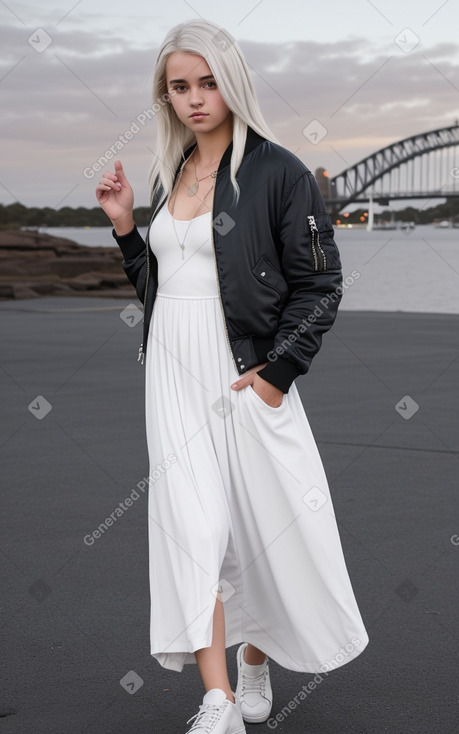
x,y
277,265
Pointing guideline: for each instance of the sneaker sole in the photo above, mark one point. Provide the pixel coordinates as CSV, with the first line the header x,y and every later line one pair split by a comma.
x,y
256,719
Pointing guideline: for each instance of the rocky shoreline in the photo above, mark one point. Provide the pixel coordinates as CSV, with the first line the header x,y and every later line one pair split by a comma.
x,y
35,264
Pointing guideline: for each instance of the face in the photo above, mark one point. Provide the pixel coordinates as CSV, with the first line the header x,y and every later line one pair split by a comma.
x,y
193,88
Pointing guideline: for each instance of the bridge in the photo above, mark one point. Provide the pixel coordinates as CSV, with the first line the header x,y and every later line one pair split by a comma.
x,y
419,167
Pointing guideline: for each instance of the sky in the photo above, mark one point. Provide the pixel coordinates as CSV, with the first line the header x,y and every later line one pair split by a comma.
x,y
74,76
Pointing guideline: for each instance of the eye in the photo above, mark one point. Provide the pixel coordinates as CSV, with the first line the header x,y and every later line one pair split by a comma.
x,y
212,83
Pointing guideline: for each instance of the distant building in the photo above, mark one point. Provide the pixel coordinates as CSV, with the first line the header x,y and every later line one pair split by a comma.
x,y
323,181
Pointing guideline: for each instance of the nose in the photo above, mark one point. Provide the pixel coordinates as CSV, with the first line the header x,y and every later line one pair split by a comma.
x,y
195,96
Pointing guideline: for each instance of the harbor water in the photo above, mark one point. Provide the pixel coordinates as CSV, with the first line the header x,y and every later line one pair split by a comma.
x,y
395,270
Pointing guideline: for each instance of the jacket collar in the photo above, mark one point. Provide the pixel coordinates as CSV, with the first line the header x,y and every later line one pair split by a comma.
x,y
252,140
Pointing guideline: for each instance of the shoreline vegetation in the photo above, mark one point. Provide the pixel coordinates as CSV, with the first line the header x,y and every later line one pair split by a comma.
x,y
14,216
35,264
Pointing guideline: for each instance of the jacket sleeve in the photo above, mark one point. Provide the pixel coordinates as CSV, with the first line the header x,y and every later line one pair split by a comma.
x,y
133,248
311,265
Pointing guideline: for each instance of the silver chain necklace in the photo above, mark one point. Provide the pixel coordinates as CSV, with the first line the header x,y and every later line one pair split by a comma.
x,y
192,190
182,244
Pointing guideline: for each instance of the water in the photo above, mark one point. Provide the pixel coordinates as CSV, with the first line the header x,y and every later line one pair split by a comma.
x,y
92,237
417,271
397,271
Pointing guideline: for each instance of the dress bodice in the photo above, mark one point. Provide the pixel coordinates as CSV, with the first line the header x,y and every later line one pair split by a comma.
x,y
194,275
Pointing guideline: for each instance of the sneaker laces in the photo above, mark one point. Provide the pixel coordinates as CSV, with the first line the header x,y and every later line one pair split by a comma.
x,y
254,683
207,716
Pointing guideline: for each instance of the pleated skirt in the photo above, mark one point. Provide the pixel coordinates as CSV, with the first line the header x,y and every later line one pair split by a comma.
x,y
238,503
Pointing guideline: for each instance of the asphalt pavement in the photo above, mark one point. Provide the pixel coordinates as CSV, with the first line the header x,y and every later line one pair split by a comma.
x,y
382,400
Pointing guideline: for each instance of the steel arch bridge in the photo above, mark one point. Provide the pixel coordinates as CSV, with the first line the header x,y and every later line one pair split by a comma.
x,y
422,166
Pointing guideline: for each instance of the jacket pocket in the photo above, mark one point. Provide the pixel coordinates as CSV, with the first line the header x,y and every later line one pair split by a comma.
x,y
270,276
323,247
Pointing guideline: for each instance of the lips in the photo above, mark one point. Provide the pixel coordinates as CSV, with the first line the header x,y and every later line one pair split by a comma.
x,y
199,114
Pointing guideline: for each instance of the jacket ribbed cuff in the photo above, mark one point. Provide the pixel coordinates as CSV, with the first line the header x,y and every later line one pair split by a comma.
x,y
130,243
280,373
121,236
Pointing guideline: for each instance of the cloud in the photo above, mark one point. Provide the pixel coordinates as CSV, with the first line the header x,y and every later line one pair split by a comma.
x,y
65,105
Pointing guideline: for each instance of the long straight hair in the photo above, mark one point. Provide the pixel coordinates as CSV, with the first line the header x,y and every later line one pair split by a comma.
x,y
227,64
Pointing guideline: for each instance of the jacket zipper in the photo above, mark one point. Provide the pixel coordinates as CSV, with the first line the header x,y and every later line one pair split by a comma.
x,y
141,356
220,297
320,261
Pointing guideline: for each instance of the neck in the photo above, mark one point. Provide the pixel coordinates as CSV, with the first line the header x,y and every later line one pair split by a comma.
x,y
211,146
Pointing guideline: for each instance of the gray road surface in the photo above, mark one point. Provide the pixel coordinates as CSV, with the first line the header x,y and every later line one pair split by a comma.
x,y
75,618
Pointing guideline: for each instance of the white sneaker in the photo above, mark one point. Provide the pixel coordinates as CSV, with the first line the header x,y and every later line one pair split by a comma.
x,y
253,689
217,715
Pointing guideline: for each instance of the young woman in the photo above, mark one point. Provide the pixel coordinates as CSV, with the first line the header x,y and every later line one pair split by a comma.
x,y
239,278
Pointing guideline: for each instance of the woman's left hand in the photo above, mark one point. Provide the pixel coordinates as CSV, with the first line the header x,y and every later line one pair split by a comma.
x,y
268,392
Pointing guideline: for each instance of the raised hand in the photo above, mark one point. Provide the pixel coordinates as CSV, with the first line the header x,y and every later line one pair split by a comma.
x,y
116,198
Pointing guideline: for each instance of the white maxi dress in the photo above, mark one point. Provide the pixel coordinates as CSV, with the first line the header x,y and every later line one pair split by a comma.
x,y
238,500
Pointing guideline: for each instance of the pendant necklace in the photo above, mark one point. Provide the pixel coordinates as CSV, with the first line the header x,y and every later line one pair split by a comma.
x,y
182,244
192,190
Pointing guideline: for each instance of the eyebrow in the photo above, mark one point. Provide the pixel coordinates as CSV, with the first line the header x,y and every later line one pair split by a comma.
x,y
201,78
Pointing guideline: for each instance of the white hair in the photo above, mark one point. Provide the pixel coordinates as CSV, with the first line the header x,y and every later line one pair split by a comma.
x,y
228,66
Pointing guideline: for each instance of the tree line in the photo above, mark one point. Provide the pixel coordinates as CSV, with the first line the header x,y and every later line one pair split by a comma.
x,y
14,216
449,210
17,215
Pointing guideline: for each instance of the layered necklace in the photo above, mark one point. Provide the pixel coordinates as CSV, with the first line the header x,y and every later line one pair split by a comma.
x,y
192,191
